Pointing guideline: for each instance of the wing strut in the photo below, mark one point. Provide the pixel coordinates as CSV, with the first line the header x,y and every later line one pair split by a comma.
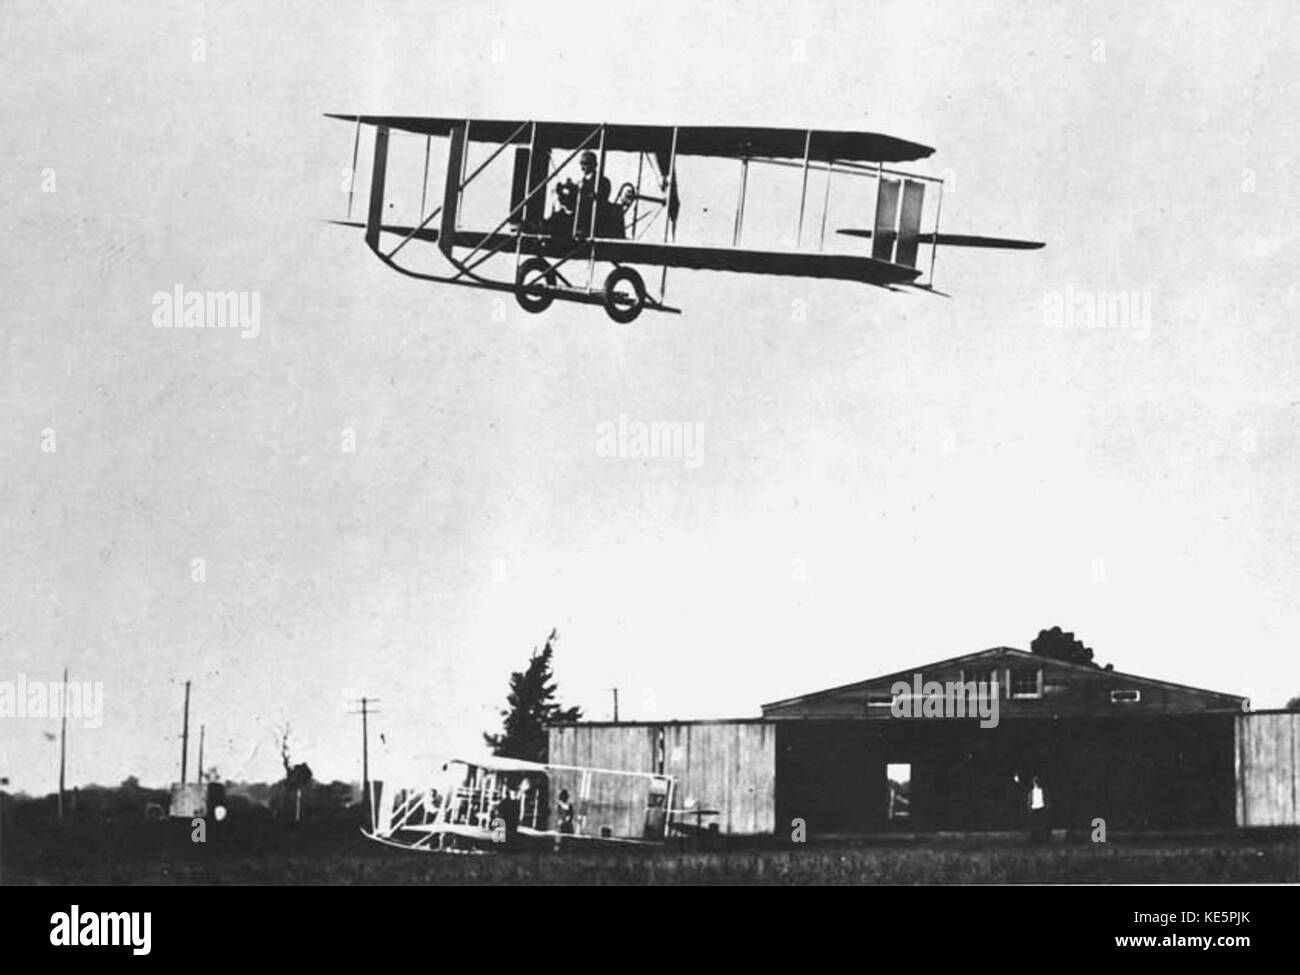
x,y
672,189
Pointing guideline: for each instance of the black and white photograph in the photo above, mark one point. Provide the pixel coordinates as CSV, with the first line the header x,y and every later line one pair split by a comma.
x,y
637,444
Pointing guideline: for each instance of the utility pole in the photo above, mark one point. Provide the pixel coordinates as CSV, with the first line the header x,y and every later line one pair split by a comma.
x,y
202,728
615,690
185,734
63,741
365,713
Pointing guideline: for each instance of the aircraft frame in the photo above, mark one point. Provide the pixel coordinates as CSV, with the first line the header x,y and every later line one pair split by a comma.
x,y
557,261
464,815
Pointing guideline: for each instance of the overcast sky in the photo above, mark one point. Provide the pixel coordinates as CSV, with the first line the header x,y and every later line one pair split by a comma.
x,y
884,479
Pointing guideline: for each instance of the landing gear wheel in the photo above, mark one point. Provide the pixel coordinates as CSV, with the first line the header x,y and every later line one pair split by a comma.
x,y
624,295
534,285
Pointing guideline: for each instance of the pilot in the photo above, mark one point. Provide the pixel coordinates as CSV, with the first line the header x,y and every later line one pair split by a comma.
x,y
588,164
589,190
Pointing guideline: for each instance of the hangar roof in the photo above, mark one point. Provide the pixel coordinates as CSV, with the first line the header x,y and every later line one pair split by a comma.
x,y
1042,685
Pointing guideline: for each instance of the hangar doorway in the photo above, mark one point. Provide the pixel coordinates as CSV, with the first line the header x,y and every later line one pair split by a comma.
x,y
898,779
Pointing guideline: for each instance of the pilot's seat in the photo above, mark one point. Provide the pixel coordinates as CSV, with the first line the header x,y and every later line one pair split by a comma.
x,y
609,220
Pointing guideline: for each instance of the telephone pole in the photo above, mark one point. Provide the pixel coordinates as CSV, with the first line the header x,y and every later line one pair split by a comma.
x,y
615,690
202,728
185,734
63,741
365,713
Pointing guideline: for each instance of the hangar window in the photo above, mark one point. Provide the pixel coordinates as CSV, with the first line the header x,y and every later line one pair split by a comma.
x,y
1026,682
1125,697
986,676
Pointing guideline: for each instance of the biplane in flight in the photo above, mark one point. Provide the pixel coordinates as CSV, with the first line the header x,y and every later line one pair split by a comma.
x,y
544,242
487,804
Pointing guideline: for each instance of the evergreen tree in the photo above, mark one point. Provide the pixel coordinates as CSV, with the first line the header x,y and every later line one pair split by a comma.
x,y
532,706
1061,646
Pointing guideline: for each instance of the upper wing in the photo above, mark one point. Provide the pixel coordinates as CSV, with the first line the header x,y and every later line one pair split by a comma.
x,y
732,142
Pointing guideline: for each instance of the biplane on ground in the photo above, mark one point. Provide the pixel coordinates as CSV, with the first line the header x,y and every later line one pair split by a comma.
x,y
555,253
490,804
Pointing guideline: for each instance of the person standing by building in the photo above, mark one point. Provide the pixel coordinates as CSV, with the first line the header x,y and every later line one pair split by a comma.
x,y
1038,826
564,816
504,814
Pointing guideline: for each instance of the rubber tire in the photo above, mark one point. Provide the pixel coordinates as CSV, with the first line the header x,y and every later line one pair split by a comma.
x,y
530,299
623,314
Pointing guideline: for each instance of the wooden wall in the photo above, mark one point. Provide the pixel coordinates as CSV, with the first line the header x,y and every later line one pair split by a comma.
x,y
1268,769
729,766
616,802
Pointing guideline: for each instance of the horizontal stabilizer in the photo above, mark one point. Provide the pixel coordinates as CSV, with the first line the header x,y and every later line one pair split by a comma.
x,y
962,240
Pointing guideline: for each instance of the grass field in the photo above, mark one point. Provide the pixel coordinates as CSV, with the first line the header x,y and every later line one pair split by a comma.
x,y
163,853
